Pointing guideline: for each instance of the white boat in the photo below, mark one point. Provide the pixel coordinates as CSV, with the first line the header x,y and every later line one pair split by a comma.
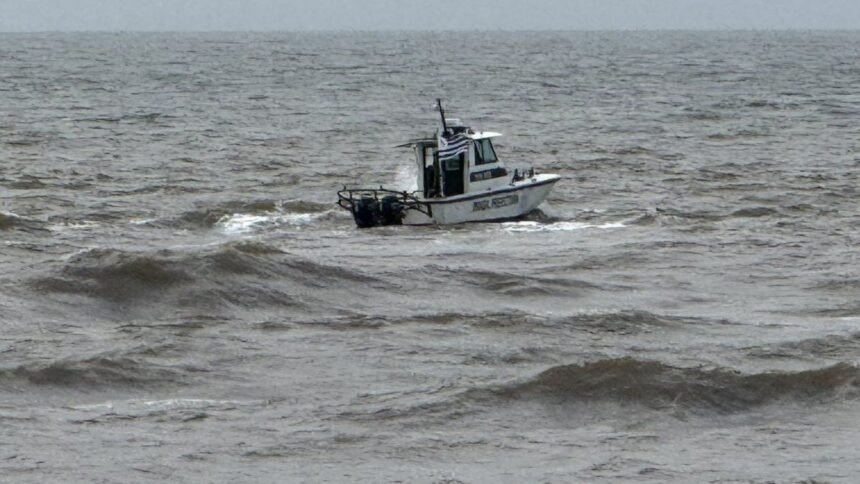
x,y
460,179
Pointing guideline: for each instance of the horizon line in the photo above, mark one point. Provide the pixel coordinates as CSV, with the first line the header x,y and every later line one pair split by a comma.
x,y
390,30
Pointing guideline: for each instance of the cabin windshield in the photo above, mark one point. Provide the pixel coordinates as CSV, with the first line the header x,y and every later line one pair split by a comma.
x,y
484,152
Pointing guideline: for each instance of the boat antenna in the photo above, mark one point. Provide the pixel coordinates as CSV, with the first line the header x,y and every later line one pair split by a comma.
x,y
442,113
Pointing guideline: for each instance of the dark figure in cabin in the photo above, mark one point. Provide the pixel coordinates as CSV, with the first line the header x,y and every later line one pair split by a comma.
x,y
453,174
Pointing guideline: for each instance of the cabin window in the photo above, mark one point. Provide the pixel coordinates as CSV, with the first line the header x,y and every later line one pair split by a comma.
x,y
452,164
484,152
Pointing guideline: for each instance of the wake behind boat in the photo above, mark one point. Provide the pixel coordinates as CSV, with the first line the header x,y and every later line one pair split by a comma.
x,y
460,179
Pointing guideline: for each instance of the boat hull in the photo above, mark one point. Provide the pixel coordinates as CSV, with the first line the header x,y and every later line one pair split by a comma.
x,y
508,202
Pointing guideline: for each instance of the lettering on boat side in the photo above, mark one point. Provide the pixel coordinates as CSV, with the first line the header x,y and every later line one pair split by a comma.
x,y
495,202
487,174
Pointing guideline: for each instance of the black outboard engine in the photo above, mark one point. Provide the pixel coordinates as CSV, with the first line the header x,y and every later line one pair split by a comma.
x,y
365,211
391,210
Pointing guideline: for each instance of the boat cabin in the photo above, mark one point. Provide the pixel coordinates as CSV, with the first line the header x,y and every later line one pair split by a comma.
x,y
476,168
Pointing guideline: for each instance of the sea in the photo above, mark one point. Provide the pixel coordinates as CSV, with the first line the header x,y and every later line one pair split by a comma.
x,y
181,300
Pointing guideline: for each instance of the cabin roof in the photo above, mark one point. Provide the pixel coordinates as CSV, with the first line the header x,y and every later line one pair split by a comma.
x,y
483,134
475,135
413,142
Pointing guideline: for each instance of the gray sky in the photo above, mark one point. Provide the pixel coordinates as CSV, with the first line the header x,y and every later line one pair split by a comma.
x,y
197,15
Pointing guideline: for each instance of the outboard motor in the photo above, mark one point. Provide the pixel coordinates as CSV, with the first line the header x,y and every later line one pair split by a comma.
x,y
365,211
391,210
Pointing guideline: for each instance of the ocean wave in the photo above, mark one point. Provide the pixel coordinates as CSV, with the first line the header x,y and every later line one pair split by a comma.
x,y
246,273
168,410
621,322
489,320
666,214
26,182
625,382
695,215
486,319
719,174
620,260
115,274
632,150
701,115
244,217
755,212
518,285
304,206
208,217
626,322
736,135
659,386
847,310
512,284
644,219
830,346
93,372
9,221
842,284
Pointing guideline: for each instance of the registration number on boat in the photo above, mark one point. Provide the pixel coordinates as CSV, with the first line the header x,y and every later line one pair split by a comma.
x,y
495,203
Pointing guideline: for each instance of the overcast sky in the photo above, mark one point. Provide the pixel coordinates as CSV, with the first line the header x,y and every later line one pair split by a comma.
x,y
207,15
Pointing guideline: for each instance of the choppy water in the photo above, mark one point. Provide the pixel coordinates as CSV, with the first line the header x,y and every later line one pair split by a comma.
x,y
180,300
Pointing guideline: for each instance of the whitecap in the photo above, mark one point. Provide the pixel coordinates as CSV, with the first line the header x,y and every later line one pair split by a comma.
x,y
198,403
134,406
240,223
73,226
530,226
142,221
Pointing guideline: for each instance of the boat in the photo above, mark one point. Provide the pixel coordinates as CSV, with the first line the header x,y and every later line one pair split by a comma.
x,y
460,179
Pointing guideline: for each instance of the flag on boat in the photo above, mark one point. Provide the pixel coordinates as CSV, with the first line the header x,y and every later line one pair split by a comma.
x,y
451,145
